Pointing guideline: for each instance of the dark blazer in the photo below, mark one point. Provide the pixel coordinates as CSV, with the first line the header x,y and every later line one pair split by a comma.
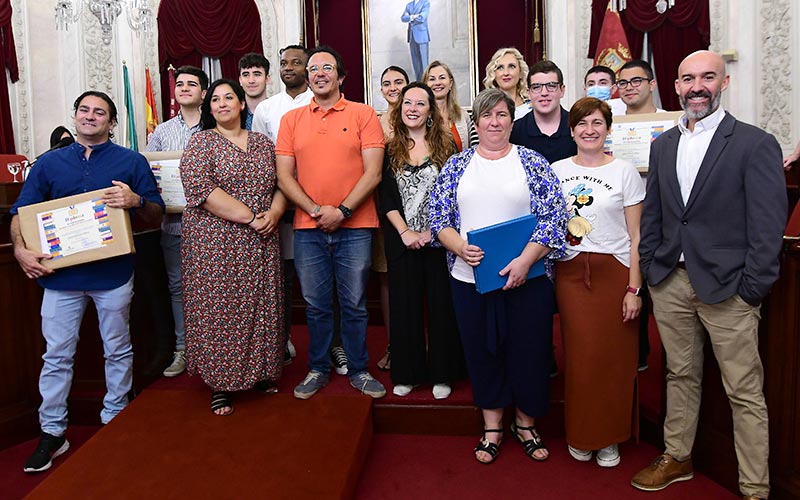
x,y
731,229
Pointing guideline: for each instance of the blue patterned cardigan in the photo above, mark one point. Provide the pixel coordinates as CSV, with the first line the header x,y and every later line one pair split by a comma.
x,y
547,202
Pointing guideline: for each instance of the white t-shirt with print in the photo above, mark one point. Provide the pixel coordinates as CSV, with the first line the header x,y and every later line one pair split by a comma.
x,y
598,195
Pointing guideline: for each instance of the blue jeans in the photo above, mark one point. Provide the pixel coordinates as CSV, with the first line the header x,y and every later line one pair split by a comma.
x,y
62,312
171,247
320,257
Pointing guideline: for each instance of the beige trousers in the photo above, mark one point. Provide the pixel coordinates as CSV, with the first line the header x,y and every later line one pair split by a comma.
x,y
732,327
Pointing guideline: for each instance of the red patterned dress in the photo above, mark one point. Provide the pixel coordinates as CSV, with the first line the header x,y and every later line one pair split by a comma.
x,y
232,283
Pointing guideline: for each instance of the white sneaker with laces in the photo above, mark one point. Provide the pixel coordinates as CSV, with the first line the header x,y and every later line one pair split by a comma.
x,y
402,390
579,455
441,391
178,364
608,456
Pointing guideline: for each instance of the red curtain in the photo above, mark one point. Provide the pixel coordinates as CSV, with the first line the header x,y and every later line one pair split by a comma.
x,y
678,32
221,29
8,61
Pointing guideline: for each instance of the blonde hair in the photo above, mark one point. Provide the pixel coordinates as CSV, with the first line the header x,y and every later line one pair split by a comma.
x,y
453,109
489,82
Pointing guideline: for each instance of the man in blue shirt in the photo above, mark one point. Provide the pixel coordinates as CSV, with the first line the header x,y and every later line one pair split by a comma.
x,y
92,162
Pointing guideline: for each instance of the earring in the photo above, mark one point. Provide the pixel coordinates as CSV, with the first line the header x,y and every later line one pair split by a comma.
x,y
429,122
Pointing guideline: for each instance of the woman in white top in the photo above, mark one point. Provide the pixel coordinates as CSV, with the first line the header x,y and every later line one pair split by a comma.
x,y
505,333
508,71
440,79
597,288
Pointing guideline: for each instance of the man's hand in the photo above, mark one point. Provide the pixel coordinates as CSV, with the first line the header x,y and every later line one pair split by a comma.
x,y
29,262
328,218
120,196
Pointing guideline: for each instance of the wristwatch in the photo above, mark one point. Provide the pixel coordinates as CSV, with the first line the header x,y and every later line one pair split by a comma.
x,y
346,211
141,201
635,291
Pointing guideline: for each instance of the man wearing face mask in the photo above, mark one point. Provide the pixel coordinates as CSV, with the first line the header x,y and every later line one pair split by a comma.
x,y
600,83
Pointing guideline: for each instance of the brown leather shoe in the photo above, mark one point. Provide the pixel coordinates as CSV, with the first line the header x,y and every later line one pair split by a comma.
x,y
664,471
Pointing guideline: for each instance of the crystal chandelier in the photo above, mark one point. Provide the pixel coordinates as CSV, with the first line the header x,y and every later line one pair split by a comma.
x,y
140,17
661,5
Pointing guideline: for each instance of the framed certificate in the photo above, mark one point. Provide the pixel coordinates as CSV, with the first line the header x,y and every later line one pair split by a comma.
x,y
166,167
631,136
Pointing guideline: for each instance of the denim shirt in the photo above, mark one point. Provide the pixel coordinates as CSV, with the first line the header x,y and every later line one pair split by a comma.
x,y
547,202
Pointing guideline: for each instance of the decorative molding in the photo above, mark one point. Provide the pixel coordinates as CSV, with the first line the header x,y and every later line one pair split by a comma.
x,y
98,57
22,91
585,9
776,69
719,30
151,55
269,31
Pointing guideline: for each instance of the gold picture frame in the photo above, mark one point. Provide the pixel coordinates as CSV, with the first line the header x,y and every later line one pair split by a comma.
x,y
453,41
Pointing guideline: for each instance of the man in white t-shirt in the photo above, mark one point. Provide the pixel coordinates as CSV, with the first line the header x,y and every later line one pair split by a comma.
x,y
601,82
267,120
636,85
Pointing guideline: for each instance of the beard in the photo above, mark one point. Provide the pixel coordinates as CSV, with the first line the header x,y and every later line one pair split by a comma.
x,y
699,114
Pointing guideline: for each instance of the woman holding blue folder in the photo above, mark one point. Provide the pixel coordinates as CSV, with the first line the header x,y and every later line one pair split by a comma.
x,y
419,146
505,332
597,289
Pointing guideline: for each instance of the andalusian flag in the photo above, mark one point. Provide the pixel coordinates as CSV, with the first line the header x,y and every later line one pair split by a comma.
x,y
133,142
151,117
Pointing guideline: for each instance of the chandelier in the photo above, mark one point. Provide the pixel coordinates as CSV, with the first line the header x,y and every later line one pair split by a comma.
x,y
661,5
140,17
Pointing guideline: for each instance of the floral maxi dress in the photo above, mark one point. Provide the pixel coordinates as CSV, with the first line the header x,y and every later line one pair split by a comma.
x,y
232,284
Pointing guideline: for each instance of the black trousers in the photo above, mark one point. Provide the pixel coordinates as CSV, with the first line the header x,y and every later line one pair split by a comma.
x,y
416,278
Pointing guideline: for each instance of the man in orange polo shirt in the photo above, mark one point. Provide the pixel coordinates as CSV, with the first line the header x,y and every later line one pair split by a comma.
x,y
329,162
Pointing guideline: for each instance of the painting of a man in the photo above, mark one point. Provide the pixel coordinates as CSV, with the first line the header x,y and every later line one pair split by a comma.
x,y
416,15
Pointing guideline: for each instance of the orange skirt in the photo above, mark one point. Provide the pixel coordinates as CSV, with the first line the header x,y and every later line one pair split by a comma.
x,y
601,352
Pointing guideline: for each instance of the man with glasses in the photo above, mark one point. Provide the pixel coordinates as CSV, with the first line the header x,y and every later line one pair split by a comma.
x,y
636,85
329,158
546,130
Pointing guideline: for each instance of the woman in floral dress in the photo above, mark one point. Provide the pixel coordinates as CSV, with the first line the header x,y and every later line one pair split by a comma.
x,y
230,251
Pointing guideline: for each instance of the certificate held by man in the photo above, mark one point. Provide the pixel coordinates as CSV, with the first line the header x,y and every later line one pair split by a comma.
x,y
501,243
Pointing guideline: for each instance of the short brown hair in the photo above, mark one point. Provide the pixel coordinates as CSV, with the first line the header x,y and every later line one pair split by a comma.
x,y
584,107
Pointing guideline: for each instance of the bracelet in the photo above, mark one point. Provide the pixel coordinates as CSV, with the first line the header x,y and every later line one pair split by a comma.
x,y
405,231
251,220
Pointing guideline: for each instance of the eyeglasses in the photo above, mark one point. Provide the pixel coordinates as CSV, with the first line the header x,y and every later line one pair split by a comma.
x,y
537,87
326,68
634,82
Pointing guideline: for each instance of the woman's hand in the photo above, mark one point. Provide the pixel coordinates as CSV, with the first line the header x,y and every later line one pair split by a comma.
x,y
413,240
631,305
471,254
267,222
517,272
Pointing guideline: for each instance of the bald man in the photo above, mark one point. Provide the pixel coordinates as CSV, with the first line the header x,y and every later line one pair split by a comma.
x,y
711,233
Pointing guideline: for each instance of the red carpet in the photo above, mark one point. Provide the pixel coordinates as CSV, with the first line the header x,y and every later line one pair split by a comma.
x,y
442,467
168,444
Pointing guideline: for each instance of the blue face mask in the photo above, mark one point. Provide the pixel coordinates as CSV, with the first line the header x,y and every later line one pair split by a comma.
x,y
598,92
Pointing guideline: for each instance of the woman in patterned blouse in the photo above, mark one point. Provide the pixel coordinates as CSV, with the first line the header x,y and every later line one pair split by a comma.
x,y
419,146
506,333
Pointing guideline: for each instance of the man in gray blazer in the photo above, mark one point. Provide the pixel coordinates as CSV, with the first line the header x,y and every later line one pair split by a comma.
x,y
711,234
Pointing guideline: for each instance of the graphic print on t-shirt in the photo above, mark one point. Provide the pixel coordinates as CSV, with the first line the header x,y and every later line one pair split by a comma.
x,y
578,226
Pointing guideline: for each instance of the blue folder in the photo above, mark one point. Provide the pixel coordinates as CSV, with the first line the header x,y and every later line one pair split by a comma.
x,y
501,243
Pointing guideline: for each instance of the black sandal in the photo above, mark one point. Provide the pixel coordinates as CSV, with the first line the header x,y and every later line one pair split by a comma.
x,y
531,445
488,447
220,400
385,363
265,387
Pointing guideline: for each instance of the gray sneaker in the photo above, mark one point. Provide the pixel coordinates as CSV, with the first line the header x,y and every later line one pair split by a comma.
x,y
178,364
310,385
365,383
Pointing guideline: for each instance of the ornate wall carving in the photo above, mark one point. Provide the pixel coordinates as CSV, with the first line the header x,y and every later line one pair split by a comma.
x,y
151,54
585,10
269,37
23,133
776,69
98,57
718,12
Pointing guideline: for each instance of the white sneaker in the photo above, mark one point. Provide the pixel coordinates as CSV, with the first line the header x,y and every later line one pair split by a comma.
x,y
290,348
579,455
608,456
178,364
441,391
402,390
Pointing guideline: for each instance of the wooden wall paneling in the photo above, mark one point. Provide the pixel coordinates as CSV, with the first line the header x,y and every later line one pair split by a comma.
x,y
21,346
